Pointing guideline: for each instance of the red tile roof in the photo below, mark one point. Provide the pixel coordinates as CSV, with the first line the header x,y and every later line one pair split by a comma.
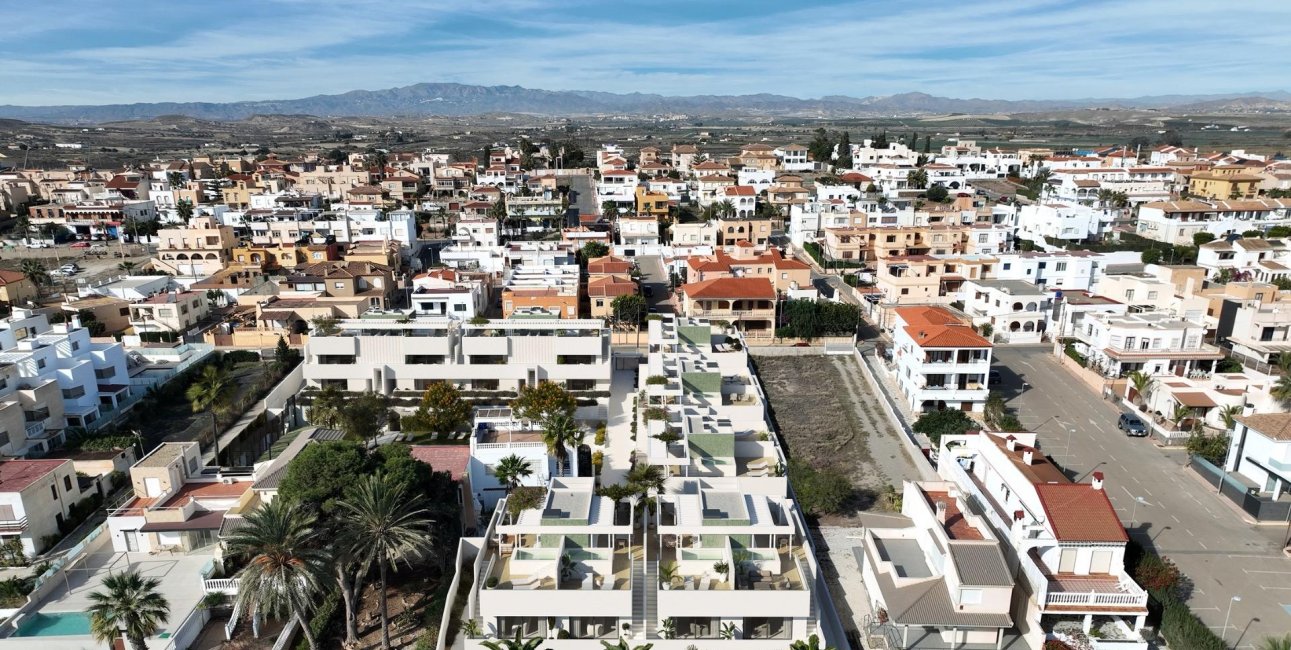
x,y
731,288
934,327
1079,513
16,475
10,277
610,286
608,264
444,458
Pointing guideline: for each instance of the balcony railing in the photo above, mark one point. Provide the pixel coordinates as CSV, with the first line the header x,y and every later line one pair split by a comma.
x,y
13,525
227,586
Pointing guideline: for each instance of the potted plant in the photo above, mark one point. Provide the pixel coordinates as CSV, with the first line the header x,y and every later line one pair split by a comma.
x,y
668,628
667,575
722,568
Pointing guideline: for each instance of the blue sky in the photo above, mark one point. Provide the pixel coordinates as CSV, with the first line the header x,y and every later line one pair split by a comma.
x,y
92,51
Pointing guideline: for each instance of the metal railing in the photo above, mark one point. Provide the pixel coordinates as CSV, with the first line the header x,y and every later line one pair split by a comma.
x,y
287,634
227,586
233,620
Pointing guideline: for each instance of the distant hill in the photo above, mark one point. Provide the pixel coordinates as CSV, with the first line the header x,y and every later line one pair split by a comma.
x,y
451,99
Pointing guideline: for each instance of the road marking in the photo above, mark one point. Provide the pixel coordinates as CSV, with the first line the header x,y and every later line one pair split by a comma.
x,y
1275,588
1203,545
1176,519
1281,573
1113,458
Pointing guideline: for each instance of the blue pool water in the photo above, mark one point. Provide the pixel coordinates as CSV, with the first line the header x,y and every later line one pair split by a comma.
x,y
55,624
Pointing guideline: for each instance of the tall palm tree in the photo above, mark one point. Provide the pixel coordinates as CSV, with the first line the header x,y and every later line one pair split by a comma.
x,y
1180,414
511,470
36,272
1284,362
560,432
725,209
212,392
129,602
1143,384
126,266
285,563
389,526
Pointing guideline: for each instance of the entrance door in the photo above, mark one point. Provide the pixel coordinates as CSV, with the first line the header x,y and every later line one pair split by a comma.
x,y
152,487
132,540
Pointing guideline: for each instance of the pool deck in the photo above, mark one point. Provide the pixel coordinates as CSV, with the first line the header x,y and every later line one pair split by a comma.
x,y
179,575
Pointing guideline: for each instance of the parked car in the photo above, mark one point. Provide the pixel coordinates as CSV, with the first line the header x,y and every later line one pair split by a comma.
x,y
70,269
38,244
1132,425
81,244
98,248
994,378
648,291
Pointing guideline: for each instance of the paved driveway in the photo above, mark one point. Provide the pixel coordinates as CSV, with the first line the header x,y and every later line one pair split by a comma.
x,y
1181,516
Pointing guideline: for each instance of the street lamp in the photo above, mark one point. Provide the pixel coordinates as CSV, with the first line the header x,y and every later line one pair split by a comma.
x,y
1223,634
1134,510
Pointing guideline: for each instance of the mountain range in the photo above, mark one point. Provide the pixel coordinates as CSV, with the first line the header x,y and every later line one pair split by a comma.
x,y
451,99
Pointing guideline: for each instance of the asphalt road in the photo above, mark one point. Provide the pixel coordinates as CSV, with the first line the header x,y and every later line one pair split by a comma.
x,y
655,278
1180,517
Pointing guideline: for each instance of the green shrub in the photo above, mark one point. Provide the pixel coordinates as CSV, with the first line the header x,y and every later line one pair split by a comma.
x,y
324,622
936,424
819,491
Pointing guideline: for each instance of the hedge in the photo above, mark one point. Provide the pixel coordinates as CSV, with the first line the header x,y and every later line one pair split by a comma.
x,y
324,622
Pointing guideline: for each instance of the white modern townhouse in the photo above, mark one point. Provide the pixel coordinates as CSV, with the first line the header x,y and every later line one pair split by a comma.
x,y
1175,222
1246,258
36,499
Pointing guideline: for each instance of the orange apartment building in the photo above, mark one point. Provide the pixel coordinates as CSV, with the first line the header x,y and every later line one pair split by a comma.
x,y
748,304
746,262
867,244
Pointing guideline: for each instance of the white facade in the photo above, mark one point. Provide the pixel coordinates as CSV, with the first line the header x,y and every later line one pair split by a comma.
x,y
1062,221
1017,311
1260,451
939,362
1257,259
1153,342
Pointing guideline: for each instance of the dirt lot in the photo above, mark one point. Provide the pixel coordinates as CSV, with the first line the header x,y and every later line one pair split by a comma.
x,y
828,417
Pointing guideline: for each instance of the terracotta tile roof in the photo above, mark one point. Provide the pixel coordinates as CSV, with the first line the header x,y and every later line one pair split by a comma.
x,y
736,288
10,277
1079,513
16,475
739,190
610,286
1271,425
934,327
444,458
608,264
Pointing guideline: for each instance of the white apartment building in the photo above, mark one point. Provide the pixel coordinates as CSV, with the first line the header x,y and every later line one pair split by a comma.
x,y
1260,452
743,198
1061,270
477,231
945,571
1248,258
36,499
1071,222
617,186
1156,343
53,377
758,179
637,232
1017,311
349,226
794,158
1175,222
496,433
1063,539
939,361
386,355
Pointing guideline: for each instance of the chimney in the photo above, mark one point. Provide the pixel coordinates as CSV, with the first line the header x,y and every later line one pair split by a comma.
x,y
1011,443
1028,455
941,512
1097,483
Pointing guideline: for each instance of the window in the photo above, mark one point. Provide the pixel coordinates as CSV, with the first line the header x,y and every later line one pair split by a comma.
x,y
53,491
338,285
983,238
580,384
905,292
67,482
1060,267
40,364
1129,294
970,596
1152,295
1007,266
74,393
76,346
484,384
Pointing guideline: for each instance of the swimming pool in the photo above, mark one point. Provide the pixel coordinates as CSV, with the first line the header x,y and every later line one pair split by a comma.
x,y
55,624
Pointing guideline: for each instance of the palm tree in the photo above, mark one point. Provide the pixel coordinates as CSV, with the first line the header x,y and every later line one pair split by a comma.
x,y
1180,414
285,564
126,266
1284,362
1282,390
725,209
130,604
1230,413
514,644
1276,643
812,643
561,432
388,526
35,271
212,392
1143,384
511,470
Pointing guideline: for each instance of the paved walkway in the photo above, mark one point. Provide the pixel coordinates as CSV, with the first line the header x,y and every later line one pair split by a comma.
x,y
618,428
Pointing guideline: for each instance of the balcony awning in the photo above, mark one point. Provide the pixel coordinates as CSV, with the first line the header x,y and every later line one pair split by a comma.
x,y
211,520
1194,399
